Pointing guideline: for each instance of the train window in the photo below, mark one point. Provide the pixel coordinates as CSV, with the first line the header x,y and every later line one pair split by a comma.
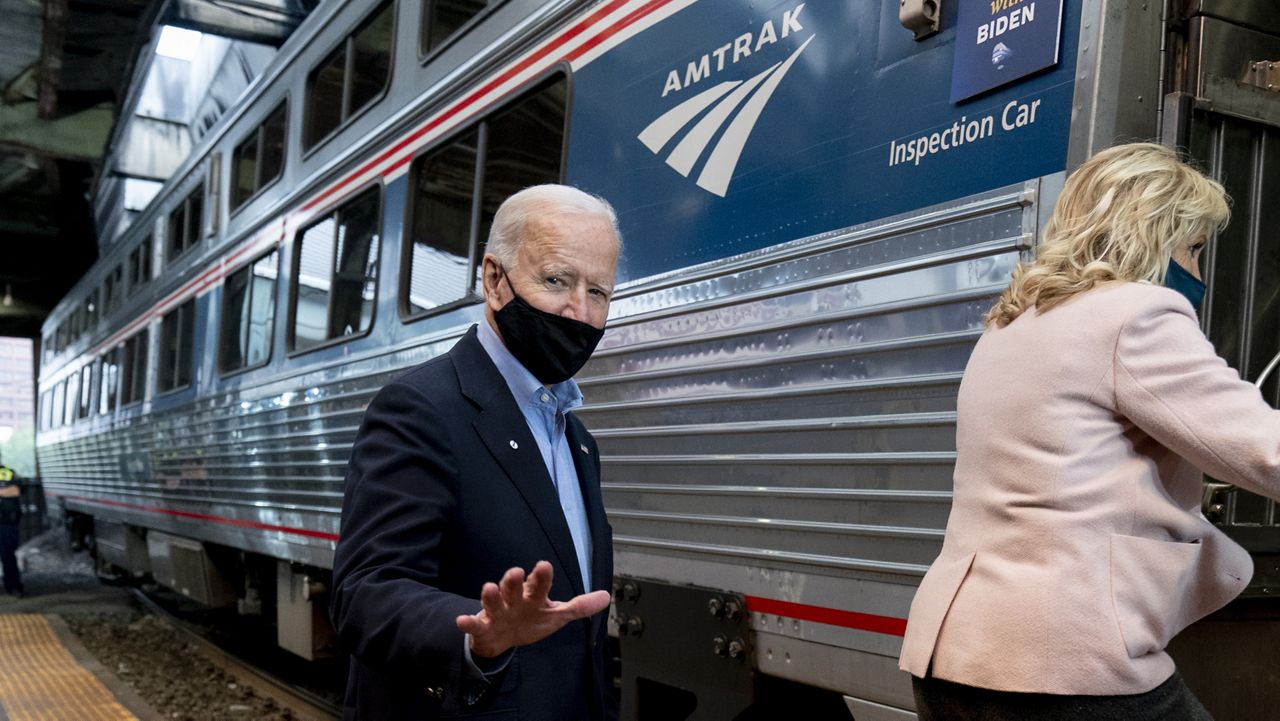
x,y
336,272
525,147
441,19
248,315
60,337
516,147
73,325
371,59
325,96
72,399
46,410
445,185
57,416
113,290
184,224
91,310
177,335
84,404
258,159
133,369
351,77
109,380
140,265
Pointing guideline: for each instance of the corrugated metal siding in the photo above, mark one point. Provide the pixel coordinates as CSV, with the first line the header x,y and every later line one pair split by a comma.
x,y
779,424
797,409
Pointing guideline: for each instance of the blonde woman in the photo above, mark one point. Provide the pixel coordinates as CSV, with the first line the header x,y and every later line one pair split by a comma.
x,y
1076,549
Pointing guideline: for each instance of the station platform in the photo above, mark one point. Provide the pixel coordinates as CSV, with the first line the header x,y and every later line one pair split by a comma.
x,y
47,675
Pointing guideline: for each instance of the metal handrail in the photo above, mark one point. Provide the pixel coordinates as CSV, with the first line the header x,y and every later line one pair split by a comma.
x,y
1262,378
1213,501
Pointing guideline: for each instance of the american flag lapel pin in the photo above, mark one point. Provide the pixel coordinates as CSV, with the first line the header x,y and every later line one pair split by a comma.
x,y
583,446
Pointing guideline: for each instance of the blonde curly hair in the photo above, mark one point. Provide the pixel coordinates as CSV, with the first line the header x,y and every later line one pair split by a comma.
x,y
1120,216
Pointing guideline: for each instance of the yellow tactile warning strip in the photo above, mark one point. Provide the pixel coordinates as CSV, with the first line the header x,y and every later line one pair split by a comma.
x,y
41,681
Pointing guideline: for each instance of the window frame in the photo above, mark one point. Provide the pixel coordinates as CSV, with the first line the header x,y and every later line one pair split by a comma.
x,y
57,404
85,400
425,55
70,403
184,207
74,325
275,315
191,352
103,388
143,253
532,88
295,262
311,145
232,207
113,298
91,306
45,421
138,385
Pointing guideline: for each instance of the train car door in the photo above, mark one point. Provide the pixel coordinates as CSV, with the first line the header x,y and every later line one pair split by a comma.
x,y
1225,112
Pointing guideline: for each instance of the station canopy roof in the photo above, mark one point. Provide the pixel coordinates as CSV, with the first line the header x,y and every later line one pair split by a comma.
x,y
101,100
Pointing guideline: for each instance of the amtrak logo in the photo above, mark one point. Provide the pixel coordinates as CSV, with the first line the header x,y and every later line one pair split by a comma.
x,y
749,95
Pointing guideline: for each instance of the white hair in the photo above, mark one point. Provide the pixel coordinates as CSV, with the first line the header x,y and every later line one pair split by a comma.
x,y
507,231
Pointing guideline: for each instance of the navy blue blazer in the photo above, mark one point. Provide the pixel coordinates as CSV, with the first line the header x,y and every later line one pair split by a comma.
x,y
446,490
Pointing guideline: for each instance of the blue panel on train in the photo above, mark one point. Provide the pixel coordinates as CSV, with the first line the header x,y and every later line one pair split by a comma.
x,y
731,126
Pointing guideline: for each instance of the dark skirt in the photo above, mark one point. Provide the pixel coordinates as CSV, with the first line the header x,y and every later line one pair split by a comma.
x,y
938,700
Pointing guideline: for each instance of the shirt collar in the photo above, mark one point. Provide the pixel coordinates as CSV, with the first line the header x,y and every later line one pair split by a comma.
x,y
565,396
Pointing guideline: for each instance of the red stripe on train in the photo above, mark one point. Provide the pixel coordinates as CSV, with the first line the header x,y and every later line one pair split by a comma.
x,y
617,27
205,517
832,617
887,625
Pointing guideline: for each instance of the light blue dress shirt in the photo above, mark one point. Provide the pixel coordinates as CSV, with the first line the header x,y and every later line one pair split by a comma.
x,y
544,410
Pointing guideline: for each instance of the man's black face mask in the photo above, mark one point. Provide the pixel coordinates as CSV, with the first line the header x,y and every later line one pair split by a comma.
x,y
552,347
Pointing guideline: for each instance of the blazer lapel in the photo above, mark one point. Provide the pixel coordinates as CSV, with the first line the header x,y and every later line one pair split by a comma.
x,y
504,431
589,480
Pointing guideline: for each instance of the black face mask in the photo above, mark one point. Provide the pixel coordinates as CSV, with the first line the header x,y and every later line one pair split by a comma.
x,y
552,347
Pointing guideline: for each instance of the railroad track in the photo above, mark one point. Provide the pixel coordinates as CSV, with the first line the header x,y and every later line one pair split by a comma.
x,y
306,705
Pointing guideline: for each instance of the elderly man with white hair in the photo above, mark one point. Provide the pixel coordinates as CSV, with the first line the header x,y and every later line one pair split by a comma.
x,y
469,579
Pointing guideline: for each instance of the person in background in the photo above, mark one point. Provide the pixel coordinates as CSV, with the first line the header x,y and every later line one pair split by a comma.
x,y
1076,547
10,521
471,469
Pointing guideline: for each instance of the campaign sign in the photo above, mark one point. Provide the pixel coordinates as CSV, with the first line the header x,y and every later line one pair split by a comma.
x,y
998,41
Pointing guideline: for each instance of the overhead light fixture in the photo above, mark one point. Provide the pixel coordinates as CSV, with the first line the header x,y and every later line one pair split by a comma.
x,y
8,295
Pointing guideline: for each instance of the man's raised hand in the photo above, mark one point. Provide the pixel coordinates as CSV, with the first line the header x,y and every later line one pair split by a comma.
x,y
516,611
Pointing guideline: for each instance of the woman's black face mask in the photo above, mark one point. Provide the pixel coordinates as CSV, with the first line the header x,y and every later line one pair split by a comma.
x,y
552,347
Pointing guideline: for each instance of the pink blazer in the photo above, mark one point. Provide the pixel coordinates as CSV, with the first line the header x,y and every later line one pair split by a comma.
x,y
1076,547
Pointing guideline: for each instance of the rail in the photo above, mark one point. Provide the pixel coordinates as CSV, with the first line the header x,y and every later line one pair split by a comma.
x,y
306,706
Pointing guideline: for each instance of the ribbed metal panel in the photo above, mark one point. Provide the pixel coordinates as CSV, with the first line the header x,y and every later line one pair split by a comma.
x,y
263,457
796,408
795,404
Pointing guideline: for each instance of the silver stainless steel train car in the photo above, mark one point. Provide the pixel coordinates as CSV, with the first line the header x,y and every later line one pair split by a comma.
x,y
820,200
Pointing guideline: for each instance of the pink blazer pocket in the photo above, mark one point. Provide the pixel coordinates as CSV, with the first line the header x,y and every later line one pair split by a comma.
x,y
928,611
1151,586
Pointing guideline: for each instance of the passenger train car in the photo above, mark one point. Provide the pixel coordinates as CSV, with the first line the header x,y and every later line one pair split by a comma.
x,y
819,202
